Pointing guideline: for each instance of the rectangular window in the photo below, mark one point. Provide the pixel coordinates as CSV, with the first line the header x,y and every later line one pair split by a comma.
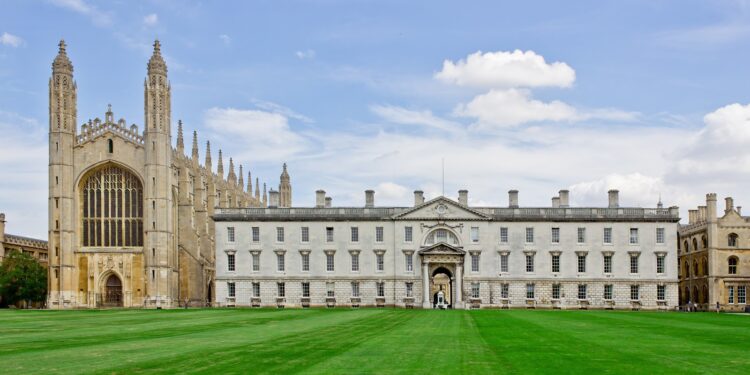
x,y
504,291
355,289
634,264
408,234
730,294
306,290
529,235
256,262
633,236
555,263
529,263
634,295
410,289
581,291
230,234
660,235
409,263
555,291
660,264
380,262
305,235
661,292
474,290
230,262
380,289
474,234
280,262
529,291
306,262
279,234
230,289
256,290
608,292
280,290
355,234
474,262
379,234
741,297
555,235
581,235
503,235
504,263
581,263
608,236
607,264
256,234
329,234
329,262
355,262
330,290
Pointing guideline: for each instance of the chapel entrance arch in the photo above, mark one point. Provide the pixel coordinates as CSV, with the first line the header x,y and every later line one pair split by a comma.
x,y
112,291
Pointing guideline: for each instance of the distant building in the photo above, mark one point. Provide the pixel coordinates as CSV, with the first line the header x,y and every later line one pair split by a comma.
x,y
445,253
31,246
714,257
130,215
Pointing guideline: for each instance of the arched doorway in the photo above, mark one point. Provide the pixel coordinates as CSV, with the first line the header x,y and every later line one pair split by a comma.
x,y
441,288
113,291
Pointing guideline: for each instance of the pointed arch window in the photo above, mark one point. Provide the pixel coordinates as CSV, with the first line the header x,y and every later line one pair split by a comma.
x,y
732,240
112,208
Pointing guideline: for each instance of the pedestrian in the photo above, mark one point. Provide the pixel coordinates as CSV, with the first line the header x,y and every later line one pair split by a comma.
x,y
717,307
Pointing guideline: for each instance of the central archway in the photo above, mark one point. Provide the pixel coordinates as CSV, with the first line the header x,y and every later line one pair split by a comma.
x,y
441,288
113,291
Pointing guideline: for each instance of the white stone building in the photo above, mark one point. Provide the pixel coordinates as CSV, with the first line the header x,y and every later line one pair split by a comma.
x,y
467,257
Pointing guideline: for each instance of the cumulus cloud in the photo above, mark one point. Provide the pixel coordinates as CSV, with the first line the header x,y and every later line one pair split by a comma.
x,y
225,39
506,108
403,116
503,69
308,54
150,20
98,18
8,39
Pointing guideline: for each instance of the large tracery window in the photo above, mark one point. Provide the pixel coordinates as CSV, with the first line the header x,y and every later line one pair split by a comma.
x,y
112,208
441,235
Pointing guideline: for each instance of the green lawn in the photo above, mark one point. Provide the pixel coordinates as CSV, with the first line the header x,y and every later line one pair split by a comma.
x,y
372,341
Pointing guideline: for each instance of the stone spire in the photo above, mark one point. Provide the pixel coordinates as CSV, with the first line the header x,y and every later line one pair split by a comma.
x,y
62,94
285,189
257,190
659,204
220,166
240,181
156,64
249,183
180,141
231,176
265,196
195,146
208,157
62,64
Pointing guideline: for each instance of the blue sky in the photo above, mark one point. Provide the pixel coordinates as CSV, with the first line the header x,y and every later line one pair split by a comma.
x,y
646,96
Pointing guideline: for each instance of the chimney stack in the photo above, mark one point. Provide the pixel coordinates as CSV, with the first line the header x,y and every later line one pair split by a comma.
x,y
328,202
701,216
564,195
463,197
729,204
739,210
555,202
513,198
418,197
614,198
711,207
369,198
692,214
273,199
320,198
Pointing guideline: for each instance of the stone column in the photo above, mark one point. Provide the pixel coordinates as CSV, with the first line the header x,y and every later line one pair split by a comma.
x,y
426,286
459,285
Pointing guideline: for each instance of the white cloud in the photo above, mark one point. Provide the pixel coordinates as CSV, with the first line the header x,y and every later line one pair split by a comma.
x,y
507,108
506,70
8,39
302,55
403,116
99,18
280,109
711,35
225,39
635,189
151,20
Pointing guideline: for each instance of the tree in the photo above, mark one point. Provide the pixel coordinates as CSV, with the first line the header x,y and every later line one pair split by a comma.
x,y
22,278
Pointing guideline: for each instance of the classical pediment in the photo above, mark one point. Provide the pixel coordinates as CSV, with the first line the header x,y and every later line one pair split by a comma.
x,y
441,208
441,248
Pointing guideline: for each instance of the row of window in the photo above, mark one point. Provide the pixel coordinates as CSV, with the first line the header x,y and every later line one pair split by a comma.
x,y
305,257
741,295
582,294
732,241
443,234
580,264
330,289
732,263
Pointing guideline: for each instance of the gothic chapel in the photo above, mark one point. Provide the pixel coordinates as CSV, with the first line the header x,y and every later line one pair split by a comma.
x,y
130,217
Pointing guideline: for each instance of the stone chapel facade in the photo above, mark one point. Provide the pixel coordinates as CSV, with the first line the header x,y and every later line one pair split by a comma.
x,y
130,216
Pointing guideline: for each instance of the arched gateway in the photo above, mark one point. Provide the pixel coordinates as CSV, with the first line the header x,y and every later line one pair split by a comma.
x,y
442,271
112,292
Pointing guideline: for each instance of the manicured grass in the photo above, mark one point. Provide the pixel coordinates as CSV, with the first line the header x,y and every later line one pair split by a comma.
x,y
372,341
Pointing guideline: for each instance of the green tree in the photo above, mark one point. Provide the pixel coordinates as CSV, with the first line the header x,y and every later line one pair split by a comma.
x,y
22,278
